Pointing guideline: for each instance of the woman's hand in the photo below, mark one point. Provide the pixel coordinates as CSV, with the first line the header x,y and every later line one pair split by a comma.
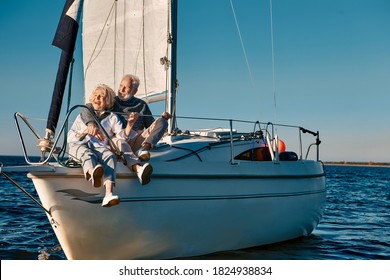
x,y
93,130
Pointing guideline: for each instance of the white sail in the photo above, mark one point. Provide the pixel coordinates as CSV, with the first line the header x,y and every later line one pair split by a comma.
x,y
127,37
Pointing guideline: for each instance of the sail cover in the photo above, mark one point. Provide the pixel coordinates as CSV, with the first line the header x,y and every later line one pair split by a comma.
x,y
127,37
65,39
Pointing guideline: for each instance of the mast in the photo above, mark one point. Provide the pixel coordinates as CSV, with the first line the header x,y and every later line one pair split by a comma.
x,y
174,83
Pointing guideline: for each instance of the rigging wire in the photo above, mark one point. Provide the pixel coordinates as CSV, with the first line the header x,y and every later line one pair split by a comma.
x,y
273,56
124,40
242,45
62,152
143,49
115,39
273,74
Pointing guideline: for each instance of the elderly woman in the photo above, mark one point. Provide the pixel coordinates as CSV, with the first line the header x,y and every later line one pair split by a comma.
x,y
94,151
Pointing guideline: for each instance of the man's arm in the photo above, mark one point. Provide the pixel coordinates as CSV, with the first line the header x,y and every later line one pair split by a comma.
x,y
89,121
86,116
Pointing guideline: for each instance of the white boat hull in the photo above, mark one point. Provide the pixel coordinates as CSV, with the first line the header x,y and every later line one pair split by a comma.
x,y
190,208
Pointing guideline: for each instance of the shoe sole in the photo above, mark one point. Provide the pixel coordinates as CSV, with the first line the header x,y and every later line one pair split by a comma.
x,y
145,178
112,202
144,157
97,175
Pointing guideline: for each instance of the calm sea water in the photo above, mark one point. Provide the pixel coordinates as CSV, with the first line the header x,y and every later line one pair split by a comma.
x,y
355,226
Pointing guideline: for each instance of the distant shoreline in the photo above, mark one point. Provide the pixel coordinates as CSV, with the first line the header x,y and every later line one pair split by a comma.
x,y
351,163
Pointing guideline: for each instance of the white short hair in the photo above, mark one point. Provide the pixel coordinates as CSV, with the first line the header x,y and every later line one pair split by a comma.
x,y
134,79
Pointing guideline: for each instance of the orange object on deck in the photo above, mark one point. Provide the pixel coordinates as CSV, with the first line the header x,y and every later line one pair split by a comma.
x,y
282,146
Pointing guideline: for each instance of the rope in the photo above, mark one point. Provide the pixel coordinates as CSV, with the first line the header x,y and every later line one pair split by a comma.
x,y
25,192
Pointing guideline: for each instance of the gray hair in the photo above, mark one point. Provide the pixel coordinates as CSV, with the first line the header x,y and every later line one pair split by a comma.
x,y
134,79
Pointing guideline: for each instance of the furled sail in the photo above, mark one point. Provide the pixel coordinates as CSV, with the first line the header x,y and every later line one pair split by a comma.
x,y
127,37
65,39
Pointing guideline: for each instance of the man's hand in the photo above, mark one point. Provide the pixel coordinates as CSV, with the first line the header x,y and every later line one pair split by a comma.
x,y
133,116
166,115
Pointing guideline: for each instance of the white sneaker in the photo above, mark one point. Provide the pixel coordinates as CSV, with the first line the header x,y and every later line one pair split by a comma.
x,y
143,154
111,200
144,173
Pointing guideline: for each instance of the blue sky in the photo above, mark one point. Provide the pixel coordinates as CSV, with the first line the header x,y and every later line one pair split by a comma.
x,y
332,66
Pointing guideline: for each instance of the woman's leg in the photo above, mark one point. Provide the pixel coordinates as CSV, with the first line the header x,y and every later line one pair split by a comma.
x,y
108,160
87,157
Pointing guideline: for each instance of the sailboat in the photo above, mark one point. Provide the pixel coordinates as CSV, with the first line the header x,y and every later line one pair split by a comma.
x,y
212,189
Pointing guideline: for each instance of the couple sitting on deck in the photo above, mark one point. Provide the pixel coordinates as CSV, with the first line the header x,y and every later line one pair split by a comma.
x,y
139,133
